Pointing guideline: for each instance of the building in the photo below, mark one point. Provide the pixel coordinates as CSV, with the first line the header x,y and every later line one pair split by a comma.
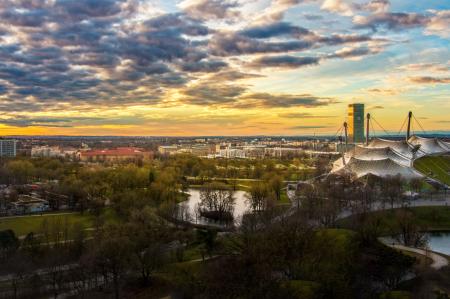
x,y
168,149
115,155
385,158
356,123
54,152
7,148
26,204
46,151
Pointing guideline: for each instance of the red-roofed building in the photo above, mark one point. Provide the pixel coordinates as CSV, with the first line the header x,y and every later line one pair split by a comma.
x,y
116,155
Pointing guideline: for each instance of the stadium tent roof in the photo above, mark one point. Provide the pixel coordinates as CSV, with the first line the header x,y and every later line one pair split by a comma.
x,y
400,146
370,154
381,168
429,145
389,157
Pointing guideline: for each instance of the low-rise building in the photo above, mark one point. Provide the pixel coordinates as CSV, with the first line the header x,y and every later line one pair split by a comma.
x,y
115,155
168,149
46,151
26,204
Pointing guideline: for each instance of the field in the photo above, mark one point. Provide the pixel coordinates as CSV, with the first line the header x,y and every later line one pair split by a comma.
x,y
431,218
437,167
23,225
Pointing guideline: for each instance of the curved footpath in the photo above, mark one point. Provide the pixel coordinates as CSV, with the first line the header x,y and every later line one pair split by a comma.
x,y
439,261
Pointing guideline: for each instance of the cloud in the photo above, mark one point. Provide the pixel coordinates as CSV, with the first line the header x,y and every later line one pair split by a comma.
x,y
376,6
430,80
383,91
312,17
239,97
83,9
435,67
338,6
18,120
375,107
227,44
349,52
212,94
393,21
284,61
234,44
439,24
232,75
34,18
276,10
267,100
275,29
303,115
308,127
203,66
113,54
347,8
210,9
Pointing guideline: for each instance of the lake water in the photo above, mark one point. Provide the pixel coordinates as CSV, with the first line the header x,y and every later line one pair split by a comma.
x,y
240,207
439,242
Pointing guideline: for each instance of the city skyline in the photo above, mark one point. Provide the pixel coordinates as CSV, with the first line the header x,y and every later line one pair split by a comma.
x,y
199,68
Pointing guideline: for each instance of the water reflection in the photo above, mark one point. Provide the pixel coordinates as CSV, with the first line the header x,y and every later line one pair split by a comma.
x,y
190,209
439,242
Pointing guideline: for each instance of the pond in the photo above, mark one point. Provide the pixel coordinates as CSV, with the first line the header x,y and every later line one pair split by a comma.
x,y
241,206
439,242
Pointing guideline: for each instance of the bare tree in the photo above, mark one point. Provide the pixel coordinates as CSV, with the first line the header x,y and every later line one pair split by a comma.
x,y
407,231
216,202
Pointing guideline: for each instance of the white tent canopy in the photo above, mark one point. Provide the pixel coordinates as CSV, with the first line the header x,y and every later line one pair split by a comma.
x,y
384,158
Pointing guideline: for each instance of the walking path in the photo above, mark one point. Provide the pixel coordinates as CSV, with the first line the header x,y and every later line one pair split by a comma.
x,y
438,260
37,215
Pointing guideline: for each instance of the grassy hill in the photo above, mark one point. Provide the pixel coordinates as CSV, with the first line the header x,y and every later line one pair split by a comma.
x,y
436,167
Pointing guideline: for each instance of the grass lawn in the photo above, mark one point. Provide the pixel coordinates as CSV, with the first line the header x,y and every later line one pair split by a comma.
x,y
284,198
431,218
437,167
26,224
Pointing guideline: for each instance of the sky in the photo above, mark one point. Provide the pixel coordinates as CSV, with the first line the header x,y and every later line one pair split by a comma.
x,y
220,67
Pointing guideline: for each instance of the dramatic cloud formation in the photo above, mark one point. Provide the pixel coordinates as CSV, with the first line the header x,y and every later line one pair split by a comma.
x,y
131,64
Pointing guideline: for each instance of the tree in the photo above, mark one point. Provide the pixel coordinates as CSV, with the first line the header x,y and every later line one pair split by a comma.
x,y
393,188
416,184
407,231
9,243
216,202
275,182
149,237
207,237
259,196
20,171
111,252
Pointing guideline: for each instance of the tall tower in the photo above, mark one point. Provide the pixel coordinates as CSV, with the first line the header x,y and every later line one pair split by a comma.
x,y
356,123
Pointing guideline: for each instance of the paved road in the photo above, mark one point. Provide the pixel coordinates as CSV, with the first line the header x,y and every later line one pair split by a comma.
x,y
438,260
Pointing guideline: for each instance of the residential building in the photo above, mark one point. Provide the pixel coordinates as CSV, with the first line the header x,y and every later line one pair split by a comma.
x,y
7,148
